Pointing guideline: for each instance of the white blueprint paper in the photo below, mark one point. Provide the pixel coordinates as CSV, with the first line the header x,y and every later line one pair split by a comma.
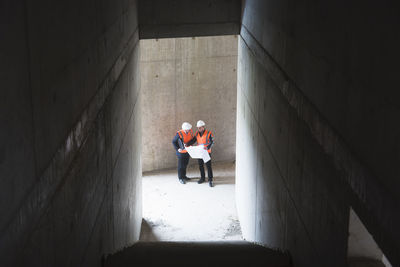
x,y
198,152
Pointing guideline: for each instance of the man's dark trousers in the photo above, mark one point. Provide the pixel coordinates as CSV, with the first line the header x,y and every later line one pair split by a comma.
x,y
209,169
183,160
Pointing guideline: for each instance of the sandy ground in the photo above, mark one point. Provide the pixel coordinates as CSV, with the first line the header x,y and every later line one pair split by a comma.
x,y
190,212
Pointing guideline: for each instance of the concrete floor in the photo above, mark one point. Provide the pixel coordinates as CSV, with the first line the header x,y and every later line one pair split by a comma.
x,y
190,212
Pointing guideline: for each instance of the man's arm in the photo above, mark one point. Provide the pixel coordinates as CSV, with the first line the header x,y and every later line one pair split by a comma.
x,y
177,143
191,142
211,141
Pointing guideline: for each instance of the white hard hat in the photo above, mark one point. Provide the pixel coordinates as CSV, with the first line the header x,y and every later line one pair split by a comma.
x,y
186,126
200,123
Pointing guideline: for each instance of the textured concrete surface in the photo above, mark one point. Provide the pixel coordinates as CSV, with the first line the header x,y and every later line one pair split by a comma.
x,y
190,212
17,152
361,243
187,79
362,249
70,142
187,18
287,193
228,253
316,94
317,124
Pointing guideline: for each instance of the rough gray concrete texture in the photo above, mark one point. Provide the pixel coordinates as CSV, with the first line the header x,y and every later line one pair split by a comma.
x,y
287,193
187,79
345,69
361,244
187,18
70,166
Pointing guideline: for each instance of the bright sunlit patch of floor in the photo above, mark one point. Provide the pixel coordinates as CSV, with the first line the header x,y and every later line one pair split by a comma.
x,y
190,212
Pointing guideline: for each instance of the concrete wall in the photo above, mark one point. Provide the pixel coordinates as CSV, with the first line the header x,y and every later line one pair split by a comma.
x,y
187,79
316,117
287,193
361,244
187,18
70,162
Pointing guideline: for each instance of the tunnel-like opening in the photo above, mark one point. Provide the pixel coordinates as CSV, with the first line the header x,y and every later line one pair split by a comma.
x,y
316,124
186,80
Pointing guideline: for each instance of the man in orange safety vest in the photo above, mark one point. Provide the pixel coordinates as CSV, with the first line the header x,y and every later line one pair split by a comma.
x,y
206,138
182,138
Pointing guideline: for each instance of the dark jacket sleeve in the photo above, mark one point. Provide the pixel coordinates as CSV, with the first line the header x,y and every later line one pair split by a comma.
x,y
211,141
177,142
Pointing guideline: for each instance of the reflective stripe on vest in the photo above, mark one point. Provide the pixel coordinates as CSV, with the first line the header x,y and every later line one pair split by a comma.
x,y
204,139
185,137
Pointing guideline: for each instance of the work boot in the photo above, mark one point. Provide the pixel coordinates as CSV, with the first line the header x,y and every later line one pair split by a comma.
x,y
202,179
182,181
210,183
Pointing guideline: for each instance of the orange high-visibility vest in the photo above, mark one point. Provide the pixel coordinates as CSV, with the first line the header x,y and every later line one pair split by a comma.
x,y
204,139
185,137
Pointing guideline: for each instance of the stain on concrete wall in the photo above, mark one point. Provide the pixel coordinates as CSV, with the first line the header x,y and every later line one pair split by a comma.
x,y
187,79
